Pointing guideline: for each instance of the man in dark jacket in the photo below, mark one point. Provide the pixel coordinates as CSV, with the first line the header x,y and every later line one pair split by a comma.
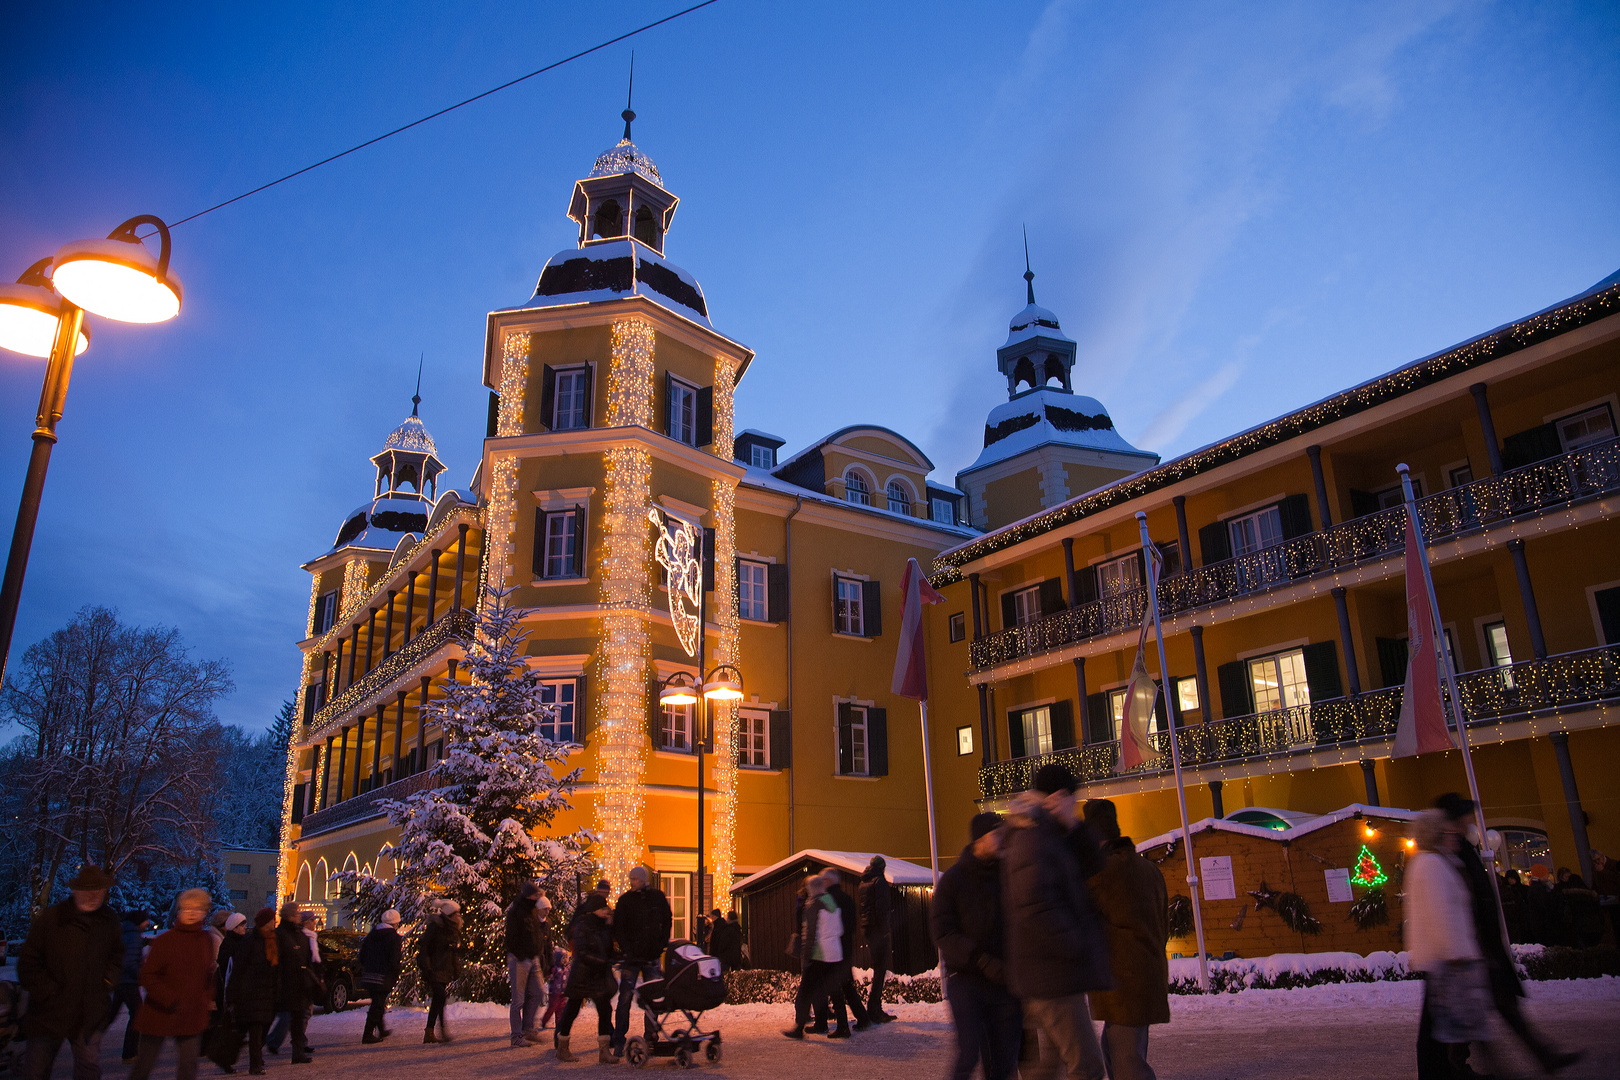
x,y
380,956
128,991
298,979
438,959
1056,952
877,925
725,941
641,923
846,912
69,965
528,961
966,923
1133,905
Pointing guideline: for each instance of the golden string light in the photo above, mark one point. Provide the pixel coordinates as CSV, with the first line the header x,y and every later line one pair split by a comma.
x,y
630,375
723,856
355,573
514,385
289,779
502,491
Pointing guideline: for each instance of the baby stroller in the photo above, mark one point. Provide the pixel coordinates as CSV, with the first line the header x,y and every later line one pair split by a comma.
x,y
692,982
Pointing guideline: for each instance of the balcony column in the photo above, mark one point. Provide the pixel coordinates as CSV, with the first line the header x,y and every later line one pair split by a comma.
x,y
1068,570
1572,800
388,626
1351,670
1080,688
1493,449
1369,780
359,753
986,743
433,588
1323,514
371,633
326,776
343,763
1180,502
461,565
410,603
1215,798
1201,672
399,730
1527,597
376,746
354,651
421,726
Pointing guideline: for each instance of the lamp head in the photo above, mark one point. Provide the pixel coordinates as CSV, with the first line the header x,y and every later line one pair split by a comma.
x,y
724,684
29,313
117,278
679,689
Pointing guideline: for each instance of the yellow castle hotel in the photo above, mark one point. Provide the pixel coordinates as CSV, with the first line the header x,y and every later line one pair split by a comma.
x,y
611,396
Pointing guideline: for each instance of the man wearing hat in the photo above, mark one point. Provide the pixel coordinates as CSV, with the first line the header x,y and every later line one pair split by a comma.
x,y
528,961
877,926
967,927
69,965
380,959
1056,952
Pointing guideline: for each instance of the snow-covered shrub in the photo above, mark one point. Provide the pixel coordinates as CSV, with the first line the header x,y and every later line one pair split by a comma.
x,y
1285,971
1560,962
481,831
765,987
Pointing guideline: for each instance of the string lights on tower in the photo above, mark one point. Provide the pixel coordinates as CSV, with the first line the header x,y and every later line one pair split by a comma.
x,y
724,712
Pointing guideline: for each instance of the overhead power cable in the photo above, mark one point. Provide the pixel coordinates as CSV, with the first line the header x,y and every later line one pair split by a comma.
x,y
447,109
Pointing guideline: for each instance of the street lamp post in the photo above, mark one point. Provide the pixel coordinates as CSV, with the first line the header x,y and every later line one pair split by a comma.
x,y
722,683
117,278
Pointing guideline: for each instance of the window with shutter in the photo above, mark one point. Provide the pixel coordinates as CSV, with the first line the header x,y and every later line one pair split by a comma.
x,y
703,431
562,696
1214,543
877,742
752,593
1322,670
848,601
753,739
776,580
1295,512
872,608
1234,682
681,417
1062,724
569,409
1097,721
781,739
548,393
1051,597
559,543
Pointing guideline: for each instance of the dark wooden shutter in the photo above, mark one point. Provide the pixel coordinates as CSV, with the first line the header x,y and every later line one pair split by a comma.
x,y
311,701
579,709
1052,596
1062,725
781,739
579,541
1161,708
1015,734
1362,503
1235,690
1085,581
548,396
298,804
655,720
1322,670
1527,447
1099,727
539,543
493,424
705,416
1392,660
1295,512
708,560
1009,613
877,742
588,389
776,591
872,608
846,744
669,404
1608,606
1214,543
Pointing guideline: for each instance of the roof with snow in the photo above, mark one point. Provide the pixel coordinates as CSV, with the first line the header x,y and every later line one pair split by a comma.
x,y
895,871
380,523
626,157
615,270
1390,813
1046,416
762,479
1034,321
412,435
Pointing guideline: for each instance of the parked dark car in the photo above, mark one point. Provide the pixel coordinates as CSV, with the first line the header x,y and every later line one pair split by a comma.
x,y
340,968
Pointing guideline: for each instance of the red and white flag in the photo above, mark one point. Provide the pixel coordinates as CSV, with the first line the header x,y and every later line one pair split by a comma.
x,y
1135,747
910,664
1421,728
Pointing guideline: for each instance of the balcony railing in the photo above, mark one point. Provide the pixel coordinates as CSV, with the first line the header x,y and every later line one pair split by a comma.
x,y
1554,483
1489,696
362,806
456,626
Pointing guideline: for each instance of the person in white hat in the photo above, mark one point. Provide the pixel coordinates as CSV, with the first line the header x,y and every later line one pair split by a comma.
x,y
380,956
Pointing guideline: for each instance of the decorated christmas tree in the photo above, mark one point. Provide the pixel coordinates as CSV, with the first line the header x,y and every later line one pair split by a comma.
x,y
483,829
1367,872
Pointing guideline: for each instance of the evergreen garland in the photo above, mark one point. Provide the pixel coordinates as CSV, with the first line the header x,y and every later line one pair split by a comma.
x,y
1371,910
1293,909
1181,915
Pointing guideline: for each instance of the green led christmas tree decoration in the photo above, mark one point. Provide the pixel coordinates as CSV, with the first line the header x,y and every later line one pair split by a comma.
x,y
1368,872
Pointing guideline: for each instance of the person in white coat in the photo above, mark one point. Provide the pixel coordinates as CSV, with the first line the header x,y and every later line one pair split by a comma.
x,y
1442,944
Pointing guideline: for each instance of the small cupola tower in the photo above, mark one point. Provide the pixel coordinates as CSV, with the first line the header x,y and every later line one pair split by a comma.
x,y
1037,351
409,462
624,196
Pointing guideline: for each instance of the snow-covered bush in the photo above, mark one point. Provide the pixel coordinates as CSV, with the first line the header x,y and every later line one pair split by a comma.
x,y
1284,971
767,987
481,831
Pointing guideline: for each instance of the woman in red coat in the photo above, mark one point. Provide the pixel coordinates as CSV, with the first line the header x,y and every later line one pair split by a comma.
x,y
178,977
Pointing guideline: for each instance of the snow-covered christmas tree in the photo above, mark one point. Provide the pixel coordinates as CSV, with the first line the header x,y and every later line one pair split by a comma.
x,y
482,830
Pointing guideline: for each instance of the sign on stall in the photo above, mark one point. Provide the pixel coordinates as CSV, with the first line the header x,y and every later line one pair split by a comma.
x,y
1217,874
1338,885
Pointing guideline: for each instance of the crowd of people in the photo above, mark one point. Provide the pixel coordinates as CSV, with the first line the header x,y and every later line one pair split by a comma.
x,y
1561,908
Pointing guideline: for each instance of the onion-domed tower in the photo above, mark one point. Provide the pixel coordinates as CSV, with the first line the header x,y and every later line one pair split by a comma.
x,y
408,469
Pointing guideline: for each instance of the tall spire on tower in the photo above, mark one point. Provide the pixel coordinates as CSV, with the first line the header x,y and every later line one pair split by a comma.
x,y
416,398
1029,275
629,113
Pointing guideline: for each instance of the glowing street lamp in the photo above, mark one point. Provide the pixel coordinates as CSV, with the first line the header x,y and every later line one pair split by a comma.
x,y
117,278
724,683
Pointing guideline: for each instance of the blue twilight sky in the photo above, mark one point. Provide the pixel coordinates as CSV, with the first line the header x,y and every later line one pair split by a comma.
x,y
1235,209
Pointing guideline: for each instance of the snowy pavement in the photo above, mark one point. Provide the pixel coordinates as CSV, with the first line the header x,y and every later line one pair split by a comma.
x,y
1350,1031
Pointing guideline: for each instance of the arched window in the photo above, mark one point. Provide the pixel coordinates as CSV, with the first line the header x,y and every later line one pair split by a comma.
x,y
305,888
646,227
609,220
352,865
324,873
856,489
408,474
899,498
1024,372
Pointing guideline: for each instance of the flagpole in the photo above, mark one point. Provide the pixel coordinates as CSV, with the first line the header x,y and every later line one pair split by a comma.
x,y
1456,698
928,788
1175,752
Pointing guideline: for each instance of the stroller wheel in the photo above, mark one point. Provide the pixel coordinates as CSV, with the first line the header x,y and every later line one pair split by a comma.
x,y
711,1050
683,1057
635,1051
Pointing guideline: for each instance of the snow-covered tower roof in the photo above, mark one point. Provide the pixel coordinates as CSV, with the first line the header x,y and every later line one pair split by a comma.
x,y
408,469
1037,349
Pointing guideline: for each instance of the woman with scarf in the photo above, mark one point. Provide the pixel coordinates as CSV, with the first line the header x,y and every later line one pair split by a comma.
x,y
253,989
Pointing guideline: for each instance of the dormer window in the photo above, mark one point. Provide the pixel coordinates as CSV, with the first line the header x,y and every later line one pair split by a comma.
x,y
609,220
856,489
646,227
899,498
